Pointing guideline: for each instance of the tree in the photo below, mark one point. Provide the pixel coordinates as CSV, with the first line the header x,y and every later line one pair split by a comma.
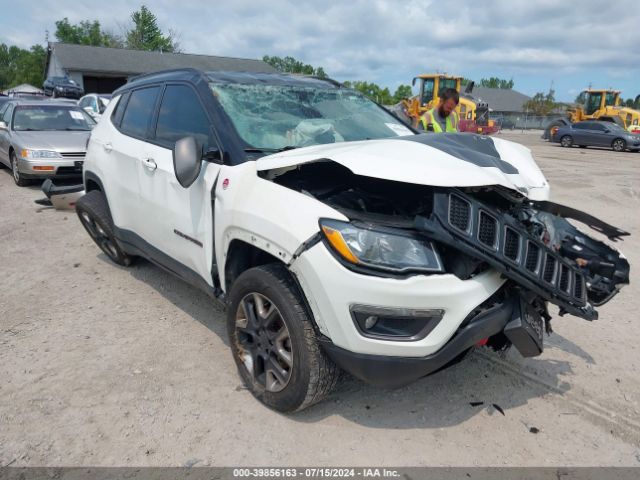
x,y
146,35
541,103
403,91
291,65
18,65
86,33
495,82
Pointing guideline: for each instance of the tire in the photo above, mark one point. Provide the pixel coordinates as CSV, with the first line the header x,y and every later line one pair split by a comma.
x,y
283,335
15,173
619,145
582,146
93,212
566,141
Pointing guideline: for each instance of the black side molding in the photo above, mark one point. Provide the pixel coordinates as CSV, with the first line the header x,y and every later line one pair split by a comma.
x,y
613,233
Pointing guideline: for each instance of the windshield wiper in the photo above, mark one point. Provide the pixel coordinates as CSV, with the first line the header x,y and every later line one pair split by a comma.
x,y
269,150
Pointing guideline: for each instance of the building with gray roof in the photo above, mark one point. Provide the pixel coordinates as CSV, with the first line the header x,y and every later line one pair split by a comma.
x,y
102,69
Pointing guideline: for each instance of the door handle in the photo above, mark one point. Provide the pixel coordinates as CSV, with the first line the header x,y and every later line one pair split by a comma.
x,y
107,147
150,163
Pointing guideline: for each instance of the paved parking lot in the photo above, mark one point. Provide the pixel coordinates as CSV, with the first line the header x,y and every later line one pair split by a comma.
x,y
101,365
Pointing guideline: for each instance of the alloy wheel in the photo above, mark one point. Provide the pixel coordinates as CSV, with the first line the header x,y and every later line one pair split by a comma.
x,y
263,342
14,168
566,141
99,236
618,145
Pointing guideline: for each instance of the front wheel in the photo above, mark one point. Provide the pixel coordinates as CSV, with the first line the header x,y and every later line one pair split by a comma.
x,y
566,141
273,341
619,145
17,176
93,211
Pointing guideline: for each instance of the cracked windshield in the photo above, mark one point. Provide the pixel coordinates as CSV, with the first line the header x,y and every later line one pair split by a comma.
x,y
274,117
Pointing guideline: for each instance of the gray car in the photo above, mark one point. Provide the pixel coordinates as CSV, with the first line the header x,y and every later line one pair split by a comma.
x,y
43,139
596,134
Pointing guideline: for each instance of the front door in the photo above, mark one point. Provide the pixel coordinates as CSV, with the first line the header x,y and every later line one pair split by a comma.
x,y
182,225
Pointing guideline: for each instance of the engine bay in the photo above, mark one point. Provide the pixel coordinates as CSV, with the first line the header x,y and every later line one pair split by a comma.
x,y
536,226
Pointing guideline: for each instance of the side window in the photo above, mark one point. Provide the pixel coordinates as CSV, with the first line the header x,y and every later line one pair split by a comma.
x,y
138,112
181,115
598,127
116,115
94,104
581,126
83,102
6,118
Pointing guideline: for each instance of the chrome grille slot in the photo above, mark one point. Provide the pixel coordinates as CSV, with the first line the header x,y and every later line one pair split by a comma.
x,y
511,244
459,213
549,272
578,286
73,154
487,229
565,279
533,257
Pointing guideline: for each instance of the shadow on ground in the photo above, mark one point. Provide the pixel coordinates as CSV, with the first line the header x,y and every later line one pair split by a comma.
x,y
447,398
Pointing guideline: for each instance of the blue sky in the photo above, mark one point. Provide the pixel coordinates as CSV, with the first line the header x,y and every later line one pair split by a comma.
x,y
385,41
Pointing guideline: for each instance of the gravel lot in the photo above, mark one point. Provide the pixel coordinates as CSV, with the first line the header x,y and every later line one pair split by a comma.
x,y
106,366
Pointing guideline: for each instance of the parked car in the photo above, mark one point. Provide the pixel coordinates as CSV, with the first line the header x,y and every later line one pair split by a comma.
x,y
94,104
596,134
62,87
41,139
336,236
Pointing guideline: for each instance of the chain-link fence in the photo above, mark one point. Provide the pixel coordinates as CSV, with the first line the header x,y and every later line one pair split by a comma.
x,y
524,121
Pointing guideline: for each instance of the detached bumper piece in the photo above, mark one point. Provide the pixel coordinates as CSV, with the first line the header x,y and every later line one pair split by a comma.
x,y
61,197
514,316
500,240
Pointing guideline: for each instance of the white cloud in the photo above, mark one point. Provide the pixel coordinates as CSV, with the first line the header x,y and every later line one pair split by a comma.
x,y
380,39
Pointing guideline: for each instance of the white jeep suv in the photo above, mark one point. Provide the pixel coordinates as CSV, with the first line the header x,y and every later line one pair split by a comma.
x,y
338,238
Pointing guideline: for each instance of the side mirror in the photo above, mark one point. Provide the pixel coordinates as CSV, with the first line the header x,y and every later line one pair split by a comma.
x,y
606,130
3,126
187,161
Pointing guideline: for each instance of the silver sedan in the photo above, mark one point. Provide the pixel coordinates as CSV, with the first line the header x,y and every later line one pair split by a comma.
x,y
43,139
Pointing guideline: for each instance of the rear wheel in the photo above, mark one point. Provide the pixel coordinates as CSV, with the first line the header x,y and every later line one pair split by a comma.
x,y
273,341
619,145
93,211
17,176
566,141
583,146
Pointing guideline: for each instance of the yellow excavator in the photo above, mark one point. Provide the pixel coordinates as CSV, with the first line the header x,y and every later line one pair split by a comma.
x,y
603,105
473,114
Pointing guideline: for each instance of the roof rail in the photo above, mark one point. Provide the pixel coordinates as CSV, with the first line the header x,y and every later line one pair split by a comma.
x,y
159,72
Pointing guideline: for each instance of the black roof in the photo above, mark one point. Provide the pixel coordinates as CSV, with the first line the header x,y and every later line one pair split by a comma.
x,y
244,78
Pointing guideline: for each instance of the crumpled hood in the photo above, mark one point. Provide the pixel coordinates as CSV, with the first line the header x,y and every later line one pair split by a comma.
x,y
60,141
446,160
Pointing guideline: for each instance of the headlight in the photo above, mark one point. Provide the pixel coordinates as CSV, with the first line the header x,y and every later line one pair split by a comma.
x,y
59,88
390,251
38,154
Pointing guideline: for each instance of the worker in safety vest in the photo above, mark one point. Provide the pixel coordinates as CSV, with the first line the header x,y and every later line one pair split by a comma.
x,y
443,117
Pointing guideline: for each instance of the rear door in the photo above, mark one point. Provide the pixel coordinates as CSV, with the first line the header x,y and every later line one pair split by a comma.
x,y
182,226
580,133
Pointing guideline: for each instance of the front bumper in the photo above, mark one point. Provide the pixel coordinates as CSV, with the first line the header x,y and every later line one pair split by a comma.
x,y
393,372
331,290
60,167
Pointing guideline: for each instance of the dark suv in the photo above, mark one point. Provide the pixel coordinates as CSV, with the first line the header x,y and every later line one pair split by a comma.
x,y
62,87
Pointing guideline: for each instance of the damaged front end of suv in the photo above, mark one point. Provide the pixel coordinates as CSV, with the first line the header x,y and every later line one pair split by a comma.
x,y
484,212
